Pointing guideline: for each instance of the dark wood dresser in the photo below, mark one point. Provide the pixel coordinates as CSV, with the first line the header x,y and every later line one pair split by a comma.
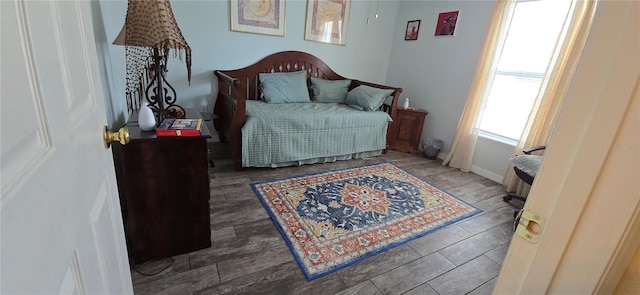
x,y
410,123
164,192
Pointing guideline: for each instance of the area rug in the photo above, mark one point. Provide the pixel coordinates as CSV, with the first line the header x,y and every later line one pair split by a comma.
x,y
333,219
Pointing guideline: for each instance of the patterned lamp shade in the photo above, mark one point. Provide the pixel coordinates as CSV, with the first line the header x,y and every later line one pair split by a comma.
x,y
150,30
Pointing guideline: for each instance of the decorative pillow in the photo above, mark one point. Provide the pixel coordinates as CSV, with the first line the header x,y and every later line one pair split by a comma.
x,y
369,98
357,107
329,90
284,87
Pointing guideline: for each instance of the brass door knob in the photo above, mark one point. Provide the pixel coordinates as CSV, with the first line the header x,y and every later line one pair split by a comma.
x,y
122,136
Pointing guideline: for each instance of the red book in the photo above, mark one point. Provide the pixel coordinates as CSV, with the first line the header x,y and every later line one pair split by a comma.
x,y
180,127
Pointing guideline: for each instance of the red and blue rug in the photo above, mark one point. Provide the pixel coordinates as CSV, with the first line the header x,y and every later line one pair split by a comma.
x,y
333,219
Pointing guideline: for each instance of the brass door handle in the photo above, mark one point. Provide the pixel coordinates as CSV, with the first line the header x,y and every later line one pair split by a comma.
x,y
122,136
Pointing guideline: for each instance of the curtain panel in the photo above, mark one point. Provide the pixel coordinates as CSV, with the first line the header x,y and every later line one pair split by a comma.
x,y
461,152
549,101
555,86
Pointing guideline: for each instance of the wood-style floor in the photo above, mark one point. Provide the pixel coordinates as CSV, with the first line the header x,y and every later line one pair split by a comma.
x,y
248,255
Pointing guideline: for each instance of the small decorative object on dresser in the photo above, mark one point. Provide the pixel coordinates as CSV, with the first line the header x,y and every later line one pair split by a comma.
x,y
180,127
146,118
410,123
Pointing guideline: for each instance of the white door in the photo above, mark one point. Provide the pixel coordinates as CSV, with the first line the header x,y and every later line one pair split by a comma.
x,y
588,187
61,226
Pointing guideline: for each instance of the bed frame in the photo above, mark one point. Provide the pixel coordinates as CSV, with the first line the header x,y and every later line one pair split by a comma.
x,y
236,86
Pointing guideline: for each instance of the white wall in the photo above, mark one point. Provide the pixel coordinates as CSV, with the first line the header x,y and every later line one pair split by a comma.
x,y
491,158
436,72
205,26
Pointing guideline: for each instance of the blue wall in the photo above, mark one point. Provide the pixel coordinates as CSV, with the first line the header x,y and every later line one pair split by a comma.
x,y
435,72
205,26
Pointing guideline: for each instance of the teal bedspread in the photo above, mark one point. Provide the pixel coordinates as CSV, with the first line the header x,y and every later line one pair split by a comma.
x,y
285,134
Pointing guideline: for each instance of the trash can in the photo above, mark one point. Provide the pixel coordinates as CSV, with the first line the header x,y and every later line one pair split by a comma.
x,y
431,147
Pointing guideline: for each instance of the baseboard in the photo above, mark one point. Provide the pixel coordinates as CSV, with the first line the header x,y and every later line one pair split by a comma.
x,y
487,174
477,170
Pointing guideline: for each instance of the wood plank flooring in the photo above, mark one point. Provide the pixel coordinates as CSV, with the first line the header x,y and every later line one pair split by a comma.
x,y
248,255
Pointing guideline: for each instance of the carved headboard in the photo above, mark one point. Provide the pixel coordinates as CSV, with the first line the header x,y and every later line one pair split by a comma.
x,y
285,61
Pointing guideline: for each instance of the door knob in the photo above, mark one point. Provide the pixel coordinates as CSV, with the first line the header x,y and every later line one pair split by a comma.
x,y
122,136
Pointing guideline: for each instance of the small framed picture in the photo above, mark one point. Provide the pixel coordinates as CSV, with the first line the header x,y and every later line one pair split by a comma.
x,y
446,25
413,26
327,21
258,17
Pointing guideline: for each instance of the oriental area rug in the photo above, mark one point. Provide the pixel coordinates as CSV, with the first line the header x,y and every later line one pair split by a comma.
x,y
333,219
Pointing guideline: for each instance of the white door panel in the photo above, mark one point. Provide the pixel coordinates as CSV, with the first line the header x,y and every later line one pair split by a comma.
x,y
61,226
26,141
587,213
72,282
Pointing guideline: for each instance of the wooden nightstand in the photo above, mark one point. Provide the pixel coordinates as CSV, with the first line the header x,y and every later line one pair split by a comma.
x,y
409,130
163,184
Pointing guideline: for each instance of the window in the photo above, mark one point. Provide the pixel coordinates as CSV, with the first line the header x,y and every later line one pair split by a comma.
x,y
519,71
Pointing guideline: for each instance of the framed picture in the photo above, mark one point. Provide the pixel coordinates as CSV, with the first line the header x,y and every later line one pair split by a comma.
x,y
413,26
447,23
327,21
258,16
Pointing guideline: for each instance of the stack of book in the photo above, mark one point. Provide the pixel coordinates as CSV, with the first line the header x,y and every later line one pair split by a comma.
x,y
180,127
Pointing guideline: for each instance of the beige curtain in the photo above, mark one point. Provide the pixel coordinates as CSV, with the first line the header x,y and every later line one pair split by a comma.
x,y
461,152
554,86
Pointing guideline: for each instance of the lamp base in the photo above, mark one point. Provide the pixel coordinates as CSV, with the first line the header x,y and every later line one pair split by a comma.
x,y
160,95
175,112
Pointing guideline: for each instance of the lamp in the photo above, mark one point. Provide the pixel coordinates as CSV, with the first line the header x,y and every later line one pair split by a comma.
x,y
149,32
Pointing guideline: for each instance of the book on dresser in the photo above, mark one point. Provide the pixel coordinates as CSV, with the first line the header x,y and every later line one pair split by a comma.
x,y
180,127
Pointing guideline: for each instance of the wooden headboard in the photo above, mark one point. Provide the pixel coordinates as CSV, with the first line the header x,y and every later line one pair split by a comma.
x,y
286,61
237,86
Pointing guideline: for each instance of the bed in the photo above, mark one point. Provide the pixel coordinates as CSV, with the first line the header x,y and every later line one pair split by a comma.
x,y
263,132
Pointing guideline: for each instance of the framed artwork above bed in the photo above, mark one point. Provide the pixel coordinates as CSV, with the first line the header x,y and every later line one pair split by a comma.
x,y
258,16
327,21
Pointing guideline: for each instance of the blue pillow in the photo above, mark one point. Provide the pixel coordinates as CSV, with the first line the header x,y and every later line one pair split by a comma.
x,y
329,90
369,98
284,87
